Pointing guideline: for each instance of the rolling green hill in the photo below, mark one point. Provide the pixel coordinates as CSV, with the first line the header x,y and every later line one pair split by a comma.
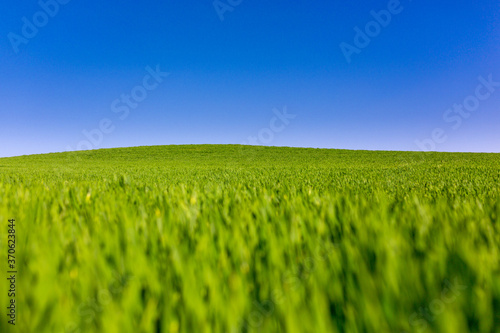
x,y
228,238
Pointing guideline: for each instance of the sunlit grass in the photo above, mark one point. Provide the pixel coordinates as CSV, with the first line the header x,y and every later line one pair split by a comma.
x,y
253,239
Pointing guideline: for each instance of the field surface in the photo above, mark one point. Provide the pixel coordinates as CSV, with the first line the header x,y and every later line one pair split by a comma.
x,y
228,238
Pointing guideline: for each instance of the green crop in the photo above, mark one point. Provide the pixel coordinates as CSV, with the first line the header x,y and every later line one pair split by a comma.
x,y
209,238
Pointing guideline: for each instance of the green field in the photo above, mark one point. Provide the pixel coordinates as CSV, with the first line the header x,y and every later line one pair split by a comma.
x,y
228,238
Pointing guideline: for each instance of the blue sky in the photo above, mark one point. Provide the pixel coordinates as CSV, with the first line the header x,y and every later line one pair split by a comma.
x,y
261,72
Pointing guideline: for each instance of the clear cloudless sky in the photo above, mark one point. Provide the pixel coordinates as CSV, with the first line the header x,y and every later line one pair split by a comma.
x,y
227,76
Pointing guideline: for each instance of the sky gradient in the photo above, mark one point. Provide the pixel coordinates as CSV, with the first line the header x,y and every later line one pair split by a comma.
x,y
88,75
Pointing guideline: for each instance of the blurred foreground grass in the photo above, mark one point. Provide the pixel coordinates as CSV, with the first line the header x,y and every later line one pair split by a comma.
x,y
252,239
